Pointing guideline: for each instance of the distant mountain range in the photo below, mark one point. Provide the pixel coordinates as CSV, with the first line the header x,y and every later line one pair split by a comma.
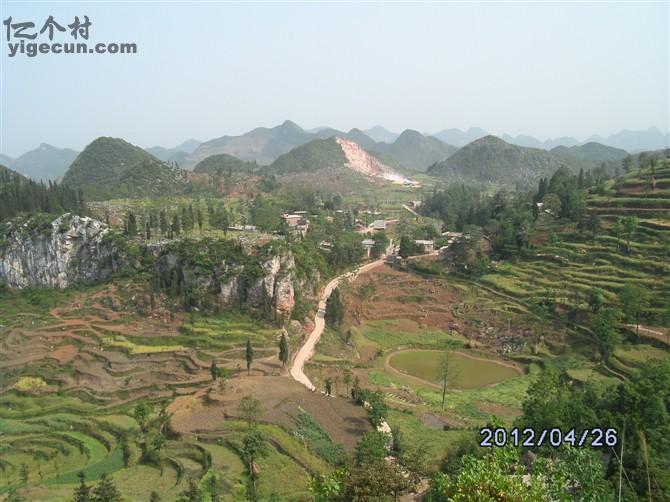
x,y
459,138
411,151
45,162
380,134
408,152
333,155
176,154
651,139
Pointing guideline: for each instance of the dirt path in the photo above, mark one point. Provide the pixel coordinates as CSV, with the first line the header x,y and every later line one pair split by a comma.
x,y
307,349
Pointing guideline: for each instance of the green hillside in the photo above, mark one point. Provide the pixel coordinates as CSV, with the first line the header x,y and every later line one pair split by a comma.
x,y
310,157
223,163
19,194
630,247
591,151
414,151
492,160
262,144
112,167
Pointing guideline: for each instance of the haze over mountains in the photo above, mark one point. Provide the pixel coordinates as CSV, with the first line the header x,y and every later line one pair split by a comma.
x,y
408,152
176,154
45,162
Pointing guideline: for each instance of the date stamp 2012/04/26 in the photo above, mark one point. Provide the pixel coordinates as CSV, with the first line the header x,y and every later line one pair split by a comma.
x,y
595,437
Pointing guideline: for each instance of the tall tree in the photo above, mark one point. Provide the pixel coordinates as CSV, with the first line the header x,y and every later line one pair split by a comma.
x,y
283,350
633,302
141,414
83,492
249,355
192,493
254,446
214,370
607,337
106,491
334,314
176,227
447,372
163,222
198,218
249,409
630,227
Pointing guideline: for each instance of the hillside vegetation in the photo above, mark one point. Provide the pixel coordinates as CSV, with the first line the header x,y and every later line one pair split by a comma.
x,y
112,167
492,160
18,194
223,163
414,151
311,157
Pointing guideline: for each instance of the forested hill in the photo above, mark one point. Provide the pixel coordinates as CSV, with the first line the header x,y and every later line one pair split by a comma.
x,y
492,160
414,151
313,156
222,164
592,151
112,167
18,194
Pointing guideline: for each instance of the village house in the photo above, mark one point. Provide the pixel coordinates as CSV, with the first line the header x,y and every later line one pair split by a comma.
x,y
296,221
243,228
427,246
452,236
368,244
378,225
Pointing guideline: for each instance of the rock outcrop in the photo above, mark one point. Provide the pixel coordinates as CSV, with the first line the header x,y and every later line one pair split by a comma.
x,y
361,161
56,254
72,249
270,287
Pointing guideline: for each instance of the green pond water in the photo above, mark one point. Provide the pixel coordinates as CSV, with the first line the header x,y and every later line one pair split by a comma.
x,y
464,372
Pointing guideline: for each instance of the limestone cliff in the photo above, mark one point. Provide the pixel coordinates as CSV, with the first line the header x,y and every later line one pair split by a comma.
x,y
56,253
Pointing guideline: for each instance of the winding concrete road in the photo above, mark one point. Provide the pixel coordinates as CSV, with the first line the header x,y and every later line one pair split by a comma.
x,y
307,349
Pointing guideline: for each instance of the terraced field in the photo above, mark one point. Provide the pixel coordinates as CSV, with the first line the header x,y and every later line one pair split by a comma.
x,y
565,271
74,367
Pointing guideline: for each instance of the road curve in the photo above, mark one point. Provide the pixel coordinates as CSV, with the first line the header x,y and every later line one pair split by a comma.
x,y
307,349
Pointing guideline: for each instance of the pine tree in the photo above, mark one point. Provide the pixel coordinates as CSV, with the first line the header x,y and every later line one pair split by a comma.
x,y
106,491
198,217
24,473
192,493
131,225
176,228
283,350
214,370
249,356
163,222
83,491
334,310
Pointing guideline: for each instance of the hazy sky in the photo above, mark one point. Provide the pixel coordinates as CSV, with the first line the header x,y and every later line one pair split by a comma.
x,y
209,69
